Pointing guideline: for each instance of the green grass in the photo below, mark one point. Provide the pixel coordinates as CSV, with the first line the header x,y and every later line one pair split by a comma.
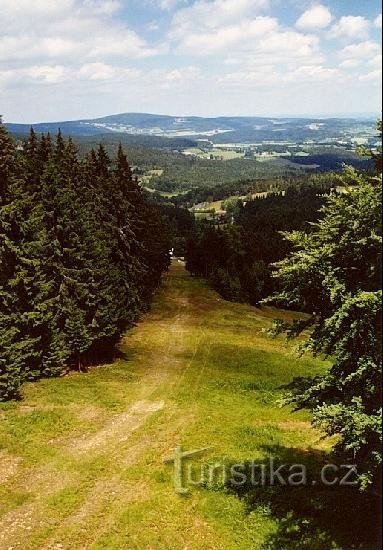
x,y
80,469
217,153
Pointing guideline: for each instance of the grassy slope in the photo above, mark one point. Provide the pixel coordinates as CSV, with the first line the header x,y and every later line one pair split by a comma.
x,y
81,458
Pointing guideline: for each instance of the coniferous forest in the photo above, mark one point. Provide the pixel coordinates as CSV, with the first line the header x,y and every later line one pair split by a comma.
x,y
191,275
81,252
238,259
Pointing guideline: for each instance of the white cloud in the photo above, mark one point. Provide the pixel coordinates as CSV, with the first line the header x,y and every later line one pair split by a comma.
x,y
232,26
350,26
25,8
315,73
223,38
204,15
45,30
378,21
270,75
350,63
264,51
102,71
362,50
176,79
103,7
168,4
289,42
317,17
262,76
376,61
39,74
373,76
48,74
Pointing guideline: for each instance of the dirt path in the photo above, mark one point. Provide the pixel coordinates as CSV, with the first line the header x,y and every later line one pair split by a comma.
x,y
82,458
161,374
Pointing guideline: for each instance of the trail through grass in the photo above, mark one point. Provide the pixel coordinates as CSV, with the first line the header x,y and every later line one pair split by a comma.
x,y
82,457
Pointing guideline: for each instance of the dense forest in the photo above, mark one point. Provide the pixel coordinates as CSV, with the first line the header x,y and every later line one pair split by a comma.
x,y
82,250
334,272
237,259
193,179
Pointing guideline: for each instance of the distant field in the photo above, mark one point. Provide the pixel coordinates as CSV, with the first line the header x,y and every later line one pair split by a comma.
x,y
155,172
217,205
216,153
168,170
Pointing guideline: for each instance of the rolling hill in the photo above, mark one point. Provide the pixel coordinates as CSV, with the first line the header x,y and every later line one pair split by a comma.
x,y
218,130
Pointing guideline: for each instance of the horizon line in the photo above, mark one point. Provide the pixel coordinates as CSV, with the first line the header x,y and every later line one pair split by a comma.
x,y
368,114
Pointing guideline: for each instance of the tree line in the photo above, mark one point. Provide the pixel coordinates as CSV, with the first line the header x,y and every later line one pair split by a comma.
x,y
321,254
81,252
334,272
237,259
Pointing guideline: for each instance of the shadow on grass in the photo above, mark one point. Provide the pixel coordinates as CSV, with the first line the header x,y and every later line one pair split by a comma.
x,y
313,516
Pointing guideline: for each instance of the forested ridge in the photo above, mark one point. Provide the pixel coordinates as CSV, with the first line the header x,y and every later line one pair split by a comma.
x,y
81,251
237,259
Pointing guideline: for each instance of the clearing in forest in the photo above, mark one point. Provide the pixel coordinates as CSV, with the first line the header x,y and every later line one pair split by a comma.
x,y
82,457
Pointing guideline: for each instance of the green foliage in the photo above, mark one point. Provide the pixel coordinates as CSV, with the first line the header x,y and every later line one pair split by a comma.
x,y
376,155
237,259
81,252
334,272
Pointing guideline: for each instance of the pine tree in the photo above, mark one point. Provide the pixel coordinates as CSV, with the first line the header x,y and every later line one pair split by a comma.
x,y
19,356
80,250
335,272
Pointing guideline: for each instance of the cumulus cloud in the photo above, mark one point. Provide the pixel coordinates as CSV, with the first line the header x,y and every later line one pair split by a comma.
x,y
378,21
168,4
261,76
47,74
364,54
350,26
223,26
315,73
376,61
45,30
317,17
87,50
39,74
362,50
204,15
223,38
373,76
270,75
265,52
350,63
102,71
105,7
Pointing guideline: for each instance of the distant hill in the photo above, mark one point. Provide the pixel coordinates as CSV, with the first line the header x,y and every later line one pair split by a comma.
x,y
218,130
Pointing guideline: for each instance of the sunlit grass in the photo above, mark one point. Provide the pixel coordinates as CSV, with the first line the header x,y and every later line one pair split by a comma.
x,y
220,377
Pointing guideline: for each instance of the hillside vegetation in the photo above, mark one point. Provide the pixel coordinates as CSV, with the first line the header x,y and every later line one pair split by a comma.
x,y
81,251
82,456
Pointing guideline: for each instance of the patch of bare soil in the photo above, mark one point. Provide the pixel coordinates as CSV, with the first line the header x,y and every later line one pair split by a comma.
x,y
118,429
8,466
16,524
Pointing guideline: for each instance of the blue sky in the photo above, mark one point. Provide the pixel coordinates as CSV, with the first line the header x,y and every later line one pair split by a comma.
x,y
69,59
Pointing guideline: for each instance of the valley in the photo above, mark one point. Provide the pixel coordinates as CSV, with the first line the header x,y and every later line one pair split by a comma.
x,y
189,160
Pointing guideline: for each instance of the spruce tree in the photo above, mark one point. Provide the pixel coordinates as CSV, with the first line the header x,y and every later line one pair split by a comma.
x,y
80,251
335,273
